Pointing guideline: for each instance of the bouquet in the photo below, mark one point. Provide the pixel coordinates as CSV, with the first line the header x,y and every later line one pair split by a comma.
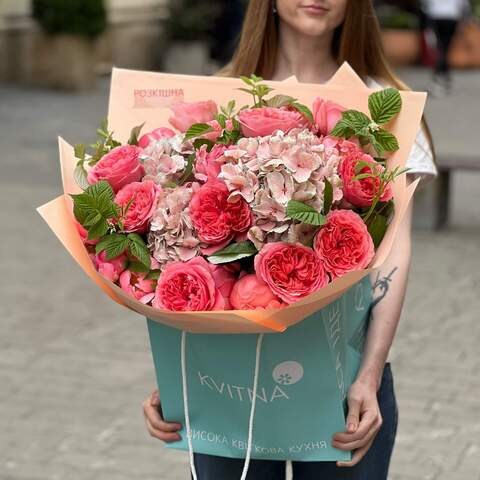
x,y
243,208
236,208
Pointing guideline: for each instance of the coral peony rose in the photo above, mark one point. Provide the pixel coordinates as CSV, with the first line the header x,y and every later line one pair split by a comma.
x,y
110,269
260,122
291,270
193,286
360,193
215,218
343,243
251,293
326,115
209,164
144,196
239,214
118,167
135,284
162,132
185,114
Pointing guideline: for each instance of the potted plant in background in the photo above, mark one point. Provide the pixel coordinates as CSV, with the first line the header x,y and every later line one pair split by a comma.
x,y
400,34
64,56
188,29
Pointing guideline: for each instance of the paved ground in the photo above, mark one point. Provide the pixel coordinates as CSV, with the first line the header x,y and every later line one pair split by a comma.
x,y
72,384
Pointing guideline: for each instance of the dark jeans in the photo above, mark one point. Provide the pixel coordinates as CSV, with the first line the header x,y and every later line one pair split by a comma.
x,y
444,31
374,466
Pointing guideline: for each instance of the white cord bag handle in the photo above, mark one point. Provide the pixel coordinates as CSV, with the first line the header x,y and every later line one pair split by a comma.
x,y
252,409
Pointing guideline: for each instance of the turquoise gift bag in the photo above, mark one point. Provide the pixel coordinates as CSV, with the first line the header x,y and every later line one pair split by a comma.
x,y
278,396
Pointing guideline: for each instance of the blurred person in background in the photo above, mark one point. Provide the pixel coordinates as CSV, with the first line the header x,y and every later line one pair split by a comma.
x,y
444,16
311,39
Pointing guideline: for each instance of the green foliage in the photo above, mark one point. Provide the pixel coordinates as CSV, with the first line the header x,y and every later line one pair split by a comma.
x,y
304,213
378,222
384,106
233,252
78,17
105,142
138,249
197,129
259,90
134,133
95,209
327,197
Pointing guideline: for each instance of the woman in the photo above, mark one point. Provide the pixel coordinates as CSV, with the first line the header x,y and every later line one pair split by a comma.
x,y
310,39
445,16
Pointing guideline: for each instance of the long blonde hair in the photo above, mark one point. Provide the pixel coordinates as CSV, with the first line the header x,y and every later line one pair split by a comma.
x,y
357,41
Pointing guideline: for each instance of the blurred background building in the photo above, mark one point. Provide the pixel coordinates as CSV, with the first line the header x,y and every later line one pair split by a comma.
x,y
71,382
51,42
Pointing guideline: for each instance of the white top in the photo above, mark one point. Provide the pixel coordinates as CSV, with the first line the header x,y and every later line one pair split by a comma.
x,y
420,161
445,9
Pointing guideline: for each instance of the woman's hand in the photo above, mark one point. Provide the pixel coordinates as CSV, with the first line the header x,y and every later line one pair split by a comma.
x,y
363,421
156,426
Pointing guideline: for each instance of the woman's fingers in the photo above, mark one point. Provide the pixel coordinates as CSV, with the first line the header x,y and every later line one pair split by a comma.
x,y
360,443
156,420
155,399
353,418
357,456
156,425
368,420
160,434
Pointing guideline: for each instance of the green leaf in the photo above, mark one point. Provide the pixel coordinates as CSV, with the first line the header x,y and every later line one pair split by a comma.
x,y
342,130
80,177
377,228
135,132
233,252
304,110
92,219
280,101
153,275
327,197
98,230
386,140
188,169
384,105
103,196
101,190
246,80
114,245
80,151
246,90
94,207
361,176
356,120
138,267
304,213
197,129
138,249
221,119
203,141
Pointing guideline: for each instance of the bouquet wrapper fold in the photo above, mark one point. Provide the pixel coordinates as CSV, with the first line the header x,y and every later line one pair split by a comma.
x,y
137,97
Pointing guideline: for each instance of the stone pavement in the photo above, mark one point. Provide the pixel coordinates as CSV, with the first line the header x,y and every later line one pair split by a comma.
x,y
72,383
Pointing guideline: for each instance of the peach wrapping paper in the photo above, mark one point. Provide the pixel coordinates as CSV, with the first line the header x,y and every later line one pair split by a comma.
x,y
137,97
